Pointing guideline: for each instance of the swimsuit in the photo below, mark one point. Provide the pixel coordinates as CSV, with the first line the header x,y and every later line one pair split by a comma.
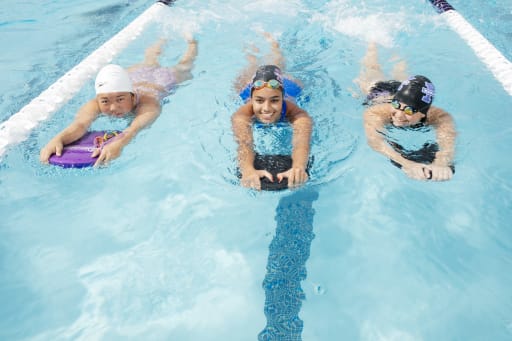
x,y
163,79
282,161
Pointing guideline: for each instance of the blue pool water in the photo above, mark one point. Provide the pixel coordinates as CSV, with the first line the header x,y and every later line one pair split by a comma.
x,y
162,245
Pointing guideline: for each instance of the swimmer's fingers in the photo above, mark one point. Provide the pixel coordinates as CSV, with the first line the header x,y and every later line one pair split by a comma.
x,y
441,173
416,171
296,177
427,173
252,180
266,174
107,153
44,155
58,149
102,157
49,150
96,152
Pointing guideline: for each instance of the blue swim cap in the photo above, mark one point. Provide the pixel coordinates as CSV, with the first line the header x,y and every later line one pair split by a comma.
x,y
417,92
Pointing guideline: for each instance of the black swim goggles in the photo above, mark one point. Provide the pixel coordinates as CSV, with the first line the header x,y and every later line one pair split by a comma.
x,y
407,109
272,84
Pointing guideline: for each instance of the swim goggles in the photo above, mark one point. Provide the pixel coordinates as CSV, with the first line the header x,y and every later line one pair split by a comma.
x,y
407,109
272,84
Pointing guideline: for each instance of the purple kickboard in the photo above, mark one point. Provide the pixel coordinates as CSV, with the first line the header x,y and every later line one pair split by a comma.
x,y
78,153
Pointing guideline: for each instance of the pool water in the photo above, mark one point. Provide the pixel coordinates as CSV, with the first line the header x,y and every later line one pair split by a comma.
x,y
164,245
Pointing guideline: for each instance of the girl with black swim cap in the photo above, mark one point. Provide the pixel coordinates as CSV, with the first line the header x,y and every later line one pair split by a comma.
x,y
269,99
409,105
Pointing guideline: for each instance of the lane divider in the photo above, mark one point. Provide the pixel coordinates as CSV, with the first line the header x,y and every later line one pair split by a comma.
x,y
500,66
18,127
286,266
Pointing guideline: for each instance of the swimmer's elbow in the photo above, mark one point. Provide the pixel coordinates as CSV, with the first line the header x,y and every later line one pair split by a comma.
x,y
375,142
304,122
79,127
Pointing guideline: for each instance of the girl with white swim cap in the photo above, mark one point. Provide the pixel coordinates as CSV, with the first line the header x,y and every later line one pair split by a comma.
x,y
138,90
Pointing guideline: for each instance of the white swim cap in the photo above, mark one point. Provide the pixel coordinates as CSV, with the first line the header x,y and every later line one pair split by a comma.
x,y
113,78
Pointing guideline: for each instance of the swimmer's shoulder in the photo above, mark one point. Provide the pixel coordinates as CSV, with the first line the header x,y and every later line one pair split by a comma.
x,y
377,116
293,111
380,109
244,111
91,109
436,116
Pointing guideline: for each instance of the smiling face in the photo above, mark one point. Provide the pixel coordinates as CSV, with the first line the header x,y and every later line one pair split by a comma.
x,y
267,104
116,103
400,119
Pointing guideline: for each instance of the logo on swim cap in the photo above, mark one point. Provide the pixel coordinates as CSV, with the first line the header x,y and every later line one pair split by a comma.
x,y
268,72
429,92
113,78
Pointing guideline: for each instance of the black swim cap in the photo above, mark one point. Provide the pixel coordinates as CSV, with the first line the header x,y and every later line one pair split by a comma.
x,y
418,92
266,73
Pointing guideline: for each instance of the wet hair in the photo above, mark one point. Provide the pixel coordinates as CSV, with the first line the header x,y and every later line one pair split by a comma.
x,y
266,73
418,92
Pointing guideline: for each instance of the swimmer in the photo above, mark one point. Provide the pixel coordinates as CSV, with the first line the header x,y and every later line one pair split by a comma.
x,y
270,98
406,103
138,89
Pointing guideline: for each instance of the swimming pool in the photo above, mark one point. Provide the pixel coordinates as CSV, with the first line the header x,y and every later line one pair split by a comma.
x,y
162,245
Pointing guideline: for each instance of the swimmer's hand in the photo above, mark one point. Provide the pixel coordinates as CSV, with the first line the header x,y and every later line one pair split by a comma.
x,y
439,173
419,171
251,179
416,171
296,177
55,146
107,153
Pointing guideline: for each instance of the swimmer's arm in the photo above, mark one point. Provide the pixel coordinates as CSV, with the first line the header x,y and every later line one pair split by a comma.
x,y
302,128
446,134
147,112
241,123
83,119
375,119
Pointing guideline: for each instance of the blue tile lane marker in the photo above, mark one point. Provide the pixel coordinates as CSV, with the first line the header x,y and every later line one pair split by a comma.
x,y
288,253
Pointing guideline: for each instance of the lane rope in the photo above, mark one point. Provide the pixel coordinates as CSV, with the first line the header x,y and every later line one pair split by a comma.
x,y
500,66
18,127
